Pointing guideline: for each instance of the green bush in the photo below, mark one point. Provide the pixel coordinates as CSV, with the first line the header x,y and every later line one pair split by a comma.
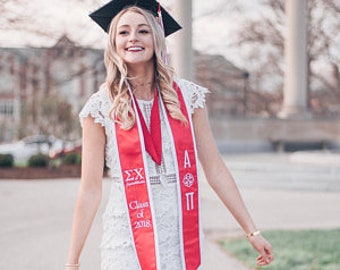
x,y
6,161
39,160
72,159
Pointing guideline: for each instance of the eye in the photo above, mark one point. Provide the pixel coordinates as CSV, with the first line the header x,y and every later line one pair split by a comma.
x,y
144,31
123,32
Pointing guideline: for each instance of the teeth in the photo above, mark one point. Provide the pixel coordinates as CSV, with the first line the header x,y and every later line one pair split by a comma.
x,y
134,49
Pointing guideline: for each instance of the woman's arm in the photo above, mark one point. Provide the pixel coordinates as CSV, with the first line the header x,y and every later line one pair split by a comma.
x,y
90,191
222,182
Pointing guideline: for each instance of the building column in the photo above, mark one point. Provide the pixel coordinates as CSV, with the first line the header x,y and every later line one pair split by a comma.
x,y
182,56
14,104
295,102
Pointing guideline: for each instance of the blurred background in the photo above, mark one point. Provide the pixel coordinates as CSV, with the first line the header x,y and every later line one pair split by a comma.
x,y
272,67
51,61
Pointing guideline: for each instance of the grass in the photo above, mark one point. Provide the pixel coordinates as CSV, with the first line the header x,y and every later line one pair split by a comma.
x,y
294,250
20,164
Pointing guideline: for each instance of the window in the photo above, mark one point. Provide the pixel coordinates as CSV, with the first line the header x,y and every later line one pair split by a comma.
x,y
6,108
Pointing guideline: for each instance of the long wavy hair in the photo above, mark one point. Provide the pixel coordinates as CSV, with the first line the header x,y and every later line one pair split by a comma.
x,y
117,77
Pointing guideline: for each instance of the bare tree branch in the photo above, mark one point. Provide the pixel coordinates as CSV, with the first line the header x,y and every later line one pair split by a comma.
x,y
265,35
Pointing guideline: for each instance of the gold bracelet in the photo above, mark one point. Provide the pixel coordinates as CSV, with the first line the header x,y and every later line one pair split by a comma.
x,y
253,234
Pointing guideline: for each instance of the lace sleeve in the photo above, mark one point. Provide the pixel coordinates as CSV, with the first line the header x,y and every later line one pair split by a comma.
x,y
94,107
194,94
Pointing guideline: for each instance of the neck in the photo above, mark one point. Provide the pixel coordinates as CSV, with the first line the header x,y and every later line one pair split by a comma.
x,y
143,84
143,91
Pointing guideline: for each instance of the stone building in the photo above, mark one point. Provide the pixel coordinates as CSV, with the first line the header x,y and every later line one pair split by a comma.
x,y
228,85
29,74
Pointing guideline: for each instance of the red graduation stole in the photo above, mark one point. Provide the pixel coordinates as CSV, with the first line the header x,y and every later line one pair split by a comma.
x,y
152,139
134,173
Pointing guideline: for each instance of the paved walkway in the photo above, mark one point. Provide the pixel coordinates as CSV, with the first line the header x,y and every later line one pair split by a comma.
x,y
281,192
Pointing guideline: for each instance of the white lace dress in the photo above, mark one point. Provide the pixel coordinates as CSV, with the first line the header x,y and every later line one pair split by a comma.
x,y
117,242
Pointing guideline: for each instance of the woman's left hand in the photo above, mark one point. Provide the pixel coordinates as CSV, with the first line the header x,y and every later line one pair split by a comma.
x,y
264,248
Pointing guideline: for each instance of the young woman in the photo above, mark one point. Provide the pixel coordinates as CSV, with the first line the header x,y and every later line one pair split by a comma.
x,y
152,129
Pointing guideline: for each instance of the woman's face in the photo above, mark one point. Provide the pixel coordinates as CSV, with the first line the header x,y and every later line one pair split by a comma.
x,y
134,40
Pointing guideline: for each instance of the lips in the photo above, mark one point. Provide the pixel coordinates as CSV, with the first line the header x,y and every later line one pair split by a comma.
x,y
135,49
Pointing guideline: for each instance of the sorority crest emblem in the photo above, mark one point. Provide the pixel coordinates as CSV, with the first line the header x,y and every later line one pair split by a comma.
x,y
188,180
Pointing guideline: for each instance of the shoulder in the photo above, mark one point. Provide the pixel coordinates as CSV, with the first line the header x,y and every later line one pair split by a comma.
x,y
188,86
97,106
193,94
101,95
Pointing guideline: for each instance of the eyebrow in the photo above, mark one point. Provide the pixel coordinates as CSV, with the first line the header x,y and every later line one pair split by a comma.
x,y
139,25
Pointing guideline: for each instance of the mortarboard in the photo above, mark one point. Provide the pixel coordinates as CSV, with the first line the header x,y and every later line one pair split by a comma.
x,y
104,15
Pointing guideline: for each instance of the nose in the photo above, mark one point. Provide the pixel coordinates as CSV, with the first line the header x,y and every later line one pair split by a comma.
x,y
133,37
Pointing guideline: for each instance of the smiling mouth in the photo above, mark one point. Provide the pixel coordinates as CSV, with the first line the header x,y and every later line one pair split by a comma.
x,y
134,49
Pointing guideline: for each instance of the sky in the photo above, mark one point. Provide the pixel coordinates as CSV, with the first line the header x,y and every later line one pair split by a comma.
x,y
212,24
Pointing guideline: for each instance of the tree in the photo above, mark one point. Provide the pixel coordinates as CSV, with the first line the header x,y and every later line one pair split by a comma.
x,y
260,39
40,23
17,15
55,116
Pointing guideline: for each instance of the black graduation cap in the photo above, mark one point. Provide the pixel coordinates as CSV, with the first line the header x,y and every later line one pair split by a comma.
x,y
104,15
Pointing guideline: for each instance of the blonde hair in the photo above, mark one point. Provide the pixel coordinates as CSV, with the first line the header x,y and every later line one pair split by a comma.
x,y
116,81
